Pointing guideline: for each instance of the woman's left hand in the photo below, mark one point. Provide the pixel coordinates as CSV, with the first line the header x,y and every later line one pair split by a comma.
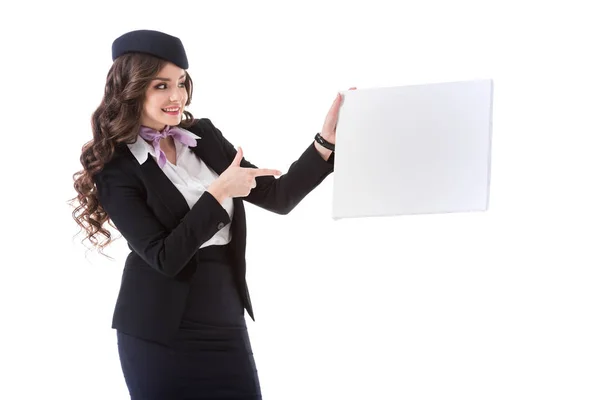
x,y
328,131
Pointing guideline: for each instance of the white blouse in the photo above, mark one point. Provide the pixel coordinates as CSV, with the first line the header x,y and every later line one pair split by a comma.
x,y
191,176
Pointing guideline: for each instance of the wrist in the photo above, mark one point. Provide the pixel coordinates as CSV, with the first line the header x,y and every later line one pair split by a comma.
x,y
217,192
325,140
325,153
324,145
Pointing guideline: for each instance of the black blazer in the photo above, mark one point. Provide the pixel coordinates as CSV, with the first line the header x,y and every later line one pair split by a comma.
x,y
163,233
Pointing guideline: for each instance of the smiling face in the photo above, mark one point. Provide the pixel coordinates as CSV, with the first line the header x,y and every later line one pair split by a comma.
x,y
165,98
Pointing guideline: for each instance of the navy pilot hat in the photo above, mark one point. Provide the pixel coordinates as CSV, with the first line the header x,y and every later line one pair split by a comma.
x,y
155,43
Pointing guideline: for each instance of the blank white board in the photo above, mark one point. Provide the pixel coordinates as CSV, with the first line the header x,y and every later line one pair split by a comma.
x,y
418,149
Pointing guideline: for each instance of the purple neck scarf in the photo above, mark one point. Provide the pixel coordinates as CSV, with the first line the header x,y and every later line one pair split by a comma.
x,y
155,136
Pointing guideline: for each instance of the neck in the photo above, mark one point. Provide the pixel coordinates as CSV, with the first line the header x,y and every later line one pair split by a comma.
x,y
156,128
166,144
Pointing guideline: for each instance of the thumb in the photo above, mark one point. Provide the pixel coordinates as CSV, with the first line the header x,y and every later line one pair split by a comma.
x,y
238,157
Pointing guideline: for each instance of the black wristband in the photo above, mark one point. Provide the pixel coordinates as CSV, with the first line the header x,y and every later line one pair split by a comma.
x,y
323,142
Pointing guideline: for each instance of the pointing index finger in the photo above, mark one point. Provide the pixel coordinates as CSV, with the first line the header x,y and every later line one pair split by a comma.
x,y
265,172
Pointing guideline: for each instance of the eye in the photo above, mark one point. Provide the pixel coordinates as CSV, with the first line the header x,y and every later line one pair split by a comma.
x,y
162,86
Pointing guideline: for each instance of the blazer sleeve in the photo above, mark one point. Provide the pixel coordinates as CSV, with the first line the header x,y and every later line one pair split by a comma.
x,y
281,195
121,195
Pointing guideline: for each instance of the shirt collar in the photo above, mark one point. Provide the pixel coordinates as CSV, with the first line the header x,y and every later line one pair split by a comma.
x,y
140,148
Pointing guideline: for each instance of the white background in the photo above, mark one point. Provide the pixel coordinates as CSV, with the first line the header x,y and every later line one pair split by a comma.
x,y
496,305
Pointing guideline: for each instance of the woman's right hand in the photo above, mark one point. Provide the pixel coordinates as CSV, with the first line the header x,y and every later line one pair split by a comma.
x,y
237,181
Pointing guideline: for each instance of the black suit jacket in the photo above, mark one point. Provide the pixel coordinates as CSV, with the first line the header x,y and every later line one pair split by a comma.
x,y
163,233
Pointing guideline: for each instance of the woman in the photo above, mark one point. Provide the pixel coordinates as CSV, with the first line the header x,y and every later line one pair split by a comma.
x,y
173,186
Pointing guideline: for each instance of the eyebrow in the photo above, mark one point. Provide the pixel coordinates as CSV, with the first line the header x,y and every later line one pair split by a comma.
x,y
158,78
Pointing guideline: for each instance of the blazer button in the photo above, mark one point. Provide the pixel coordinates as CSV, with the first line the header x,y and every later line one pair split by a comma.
x,y
220,226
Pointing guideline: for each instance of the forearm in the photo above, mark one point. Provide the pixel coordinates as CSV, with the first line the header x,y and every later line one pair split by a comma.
x,y
166,250
283,194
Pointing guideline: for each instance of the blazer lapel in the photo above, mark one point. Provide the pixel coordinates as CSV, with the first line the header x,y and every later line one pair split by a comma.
x,y
208,150
156,181
211,153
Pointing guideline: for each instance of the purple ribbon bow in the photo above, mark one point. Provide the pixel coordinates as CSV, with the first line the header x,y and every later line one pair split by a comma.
x,y
155,136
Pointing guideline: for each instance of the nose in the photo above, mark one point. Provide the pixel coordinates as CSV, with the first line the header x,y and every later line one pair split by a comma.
x,y
176,96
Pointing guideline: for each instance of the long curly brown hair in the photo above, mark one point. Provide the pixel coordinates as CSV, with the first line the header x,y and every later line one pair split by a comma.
x,y
115,121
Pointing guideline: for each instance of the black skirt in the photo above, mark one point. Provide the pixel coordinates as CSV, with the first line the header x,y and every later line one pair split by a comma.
x,y
211,357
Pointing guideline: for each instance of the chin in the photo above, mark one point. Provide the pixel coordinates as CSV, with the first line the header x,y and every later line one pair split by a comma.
x,y
170,120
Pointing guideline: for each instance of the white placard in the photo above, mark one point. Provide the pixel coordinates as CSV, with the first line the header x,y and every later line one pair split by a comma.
x,y
418,149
